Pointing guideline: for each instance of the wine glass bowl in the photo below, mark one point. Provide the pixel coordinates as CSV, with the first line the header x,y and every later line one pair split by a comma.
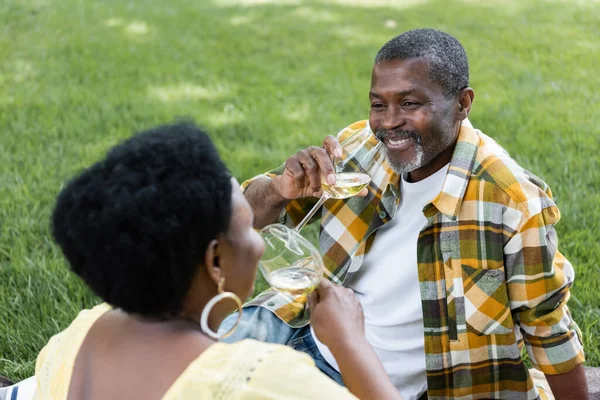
x,y
290,263
347,184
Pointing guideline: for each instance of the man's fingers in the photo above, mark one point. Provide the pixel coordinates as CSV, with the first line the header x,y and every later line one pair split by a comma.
x,y
297,171
313,165
363,192
312,170
332,146
325,164
293,166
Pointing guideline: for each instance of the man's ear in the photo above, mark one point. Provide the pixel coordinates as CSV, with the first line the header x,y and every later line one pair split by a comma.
x,y
212,260
465,102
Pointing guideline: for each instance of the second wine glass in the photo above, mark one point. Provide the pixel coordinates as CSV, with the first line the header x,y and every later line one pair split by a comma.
x,y
290,263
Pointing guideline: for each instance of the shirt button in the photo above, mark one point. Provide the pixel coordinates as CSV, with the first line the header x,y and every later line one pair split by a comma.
x,y
271,303
382,214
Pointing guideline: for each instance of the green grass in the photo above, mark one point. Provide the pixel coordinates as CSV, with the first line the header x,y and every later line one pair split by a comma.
x,y
268,78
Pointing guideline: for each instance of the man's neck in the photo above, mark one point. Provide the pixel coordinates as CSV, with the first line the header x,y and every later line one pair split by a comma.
x,y
433,166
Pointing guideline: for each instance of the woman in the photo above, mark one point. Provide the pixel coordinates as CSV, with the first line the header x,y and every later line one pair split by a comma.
x,y
160,231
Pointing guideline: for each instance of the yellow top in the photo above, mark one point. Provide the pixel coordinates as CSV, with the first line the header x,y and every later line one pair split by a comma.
x,y
244,370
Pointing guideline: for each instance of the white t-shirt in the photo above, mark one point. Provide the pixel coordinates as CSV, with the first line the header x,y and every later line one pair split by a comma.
x,y
387,286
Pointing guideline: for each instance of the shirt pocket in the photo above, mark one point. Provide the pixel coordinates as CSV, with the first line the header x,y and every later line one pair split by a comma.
x,y
486,309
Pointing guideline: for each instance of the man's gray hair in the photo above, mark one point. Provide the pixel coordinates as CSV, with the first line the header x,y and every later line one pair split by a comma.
x,y
447,59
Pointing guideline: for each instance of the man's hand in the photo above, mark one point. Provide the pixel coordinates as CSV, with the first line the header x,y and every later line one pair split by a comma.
x,y
336,315
305,170
301,178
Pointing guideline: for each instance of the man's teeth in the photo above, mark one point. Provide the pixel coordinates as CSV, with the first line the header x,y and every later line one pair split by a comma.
x,y
398,140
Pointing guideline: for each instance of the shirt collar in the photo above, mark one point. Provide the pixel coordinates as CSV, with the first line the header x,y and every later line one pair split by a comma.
x,y
449,200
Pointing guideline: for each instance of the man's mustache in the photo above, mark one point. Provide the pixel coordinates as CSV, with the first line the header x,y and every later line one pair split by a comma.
x,y
382,134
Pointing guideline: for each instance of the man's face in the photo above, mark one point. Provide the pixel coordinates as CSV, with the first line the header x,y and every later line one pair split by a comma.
x,y
411,115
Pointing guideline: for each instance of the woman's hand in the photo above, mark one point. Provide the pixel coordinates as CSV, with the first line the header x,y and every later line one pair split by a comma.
x,y
338,321
336,314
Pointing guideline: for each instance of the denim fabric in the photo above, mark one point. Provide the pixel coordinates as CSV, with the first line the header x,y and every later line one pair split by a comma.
x,y
261,324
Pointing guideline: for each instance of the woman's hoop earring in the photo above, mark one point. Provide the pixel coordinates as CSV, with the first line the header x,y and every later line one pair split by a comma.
x,y
208,308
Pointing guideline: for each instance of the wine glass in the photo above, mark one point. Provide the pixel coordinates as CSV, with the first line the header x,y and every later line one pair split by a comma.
x,y
290,263
362,154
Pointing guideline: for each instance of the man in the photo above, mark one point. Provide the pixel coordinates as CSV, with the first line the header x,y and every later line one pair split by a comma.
x,y
452,252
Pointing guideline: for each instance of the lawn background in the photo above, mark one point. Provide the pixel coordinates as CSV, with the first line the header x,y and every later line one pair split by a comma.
x,y
267,78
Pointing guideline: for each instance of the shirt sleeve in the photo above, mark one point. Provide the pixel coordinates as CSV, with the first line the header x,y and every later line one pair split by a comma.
x,y
539,279
291,375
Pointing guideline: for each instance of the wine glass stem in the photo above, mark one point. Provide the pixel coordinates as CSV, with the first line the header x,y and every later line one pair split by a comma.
x,y
312,212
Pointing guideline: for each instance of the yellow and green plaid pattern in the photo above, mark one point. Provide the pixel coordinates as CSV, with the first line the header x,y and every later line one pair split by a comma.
x,y
490,273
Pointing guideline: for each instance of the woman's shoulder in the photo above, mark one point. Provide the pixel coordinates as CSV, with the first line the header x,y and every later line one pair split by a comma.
x,y
81,324
251,369
55,361
89,316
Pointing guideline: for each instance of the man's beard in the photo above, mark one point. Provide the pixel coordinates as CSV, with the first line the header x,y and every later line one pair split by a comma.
x,y
403,167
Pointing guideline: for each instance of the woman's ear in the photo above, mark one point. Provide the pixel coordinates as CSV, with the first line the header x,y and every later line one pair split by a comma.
x,y
212,261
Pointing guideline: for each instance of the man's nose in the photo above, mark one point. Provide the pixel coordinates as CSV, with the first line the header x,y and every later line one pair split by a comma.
x,y
394,118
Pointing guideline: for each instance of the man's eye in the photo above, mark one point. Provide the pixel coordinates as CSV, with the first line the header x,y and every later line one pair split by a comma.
x,y
377,106
410,104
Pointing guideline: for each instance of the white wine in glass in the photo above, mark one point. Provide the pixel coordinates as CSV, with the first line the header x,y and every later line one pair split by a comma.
x,y
290,263
298,279
347,184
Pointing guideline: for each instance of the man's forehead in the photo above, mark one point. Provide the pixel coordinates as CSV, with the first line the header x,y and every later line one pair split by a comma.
x,y
410,67
402,75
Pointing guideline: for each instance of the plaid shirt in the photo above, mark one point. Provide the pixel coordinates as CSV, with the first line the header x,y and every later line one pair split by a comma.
x,y
490,275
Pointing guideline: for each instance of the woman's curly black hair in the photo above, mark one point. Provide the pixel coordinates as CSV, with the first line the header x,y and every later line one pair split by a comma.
x,y
135,225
